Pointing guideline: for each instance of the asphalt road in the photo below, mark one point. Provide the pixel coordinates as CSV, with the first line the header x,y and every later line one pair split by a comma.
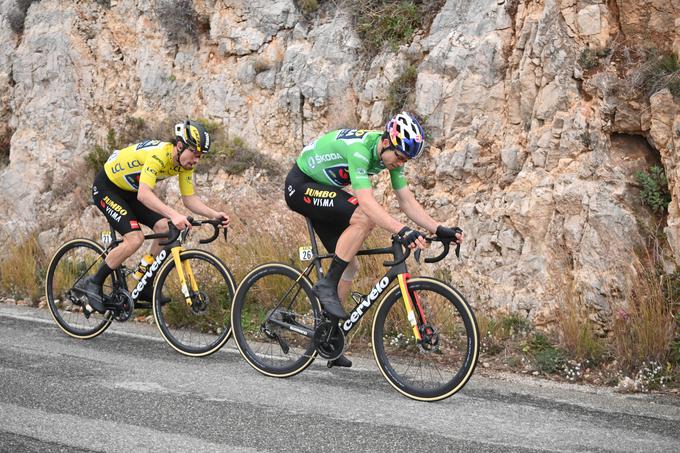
x,y
128,391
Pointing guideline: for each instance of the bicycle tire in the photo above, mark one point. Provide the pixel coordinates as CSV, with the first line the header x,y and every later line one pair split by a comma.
x,y
400,359
74,260
257,297
203,328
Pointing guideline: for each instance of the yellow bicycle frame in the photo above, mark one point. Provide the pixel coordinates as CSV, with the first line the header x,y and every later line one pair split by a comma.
x,y
181,270
408,303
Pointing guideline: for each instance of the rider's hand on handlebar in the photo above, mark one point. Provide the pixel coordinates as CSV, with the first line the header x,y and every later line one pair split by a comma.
x,y
224,217
412,238
180,221
454,233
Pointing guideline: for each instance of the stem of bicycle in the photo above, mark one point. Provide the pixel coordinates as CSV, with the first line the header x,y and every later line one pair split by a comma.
x,y
180,271
408,304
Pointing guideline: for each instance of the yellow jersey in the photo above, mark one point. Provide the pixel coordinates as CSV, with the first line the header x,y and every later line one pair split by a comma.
x,y
147,162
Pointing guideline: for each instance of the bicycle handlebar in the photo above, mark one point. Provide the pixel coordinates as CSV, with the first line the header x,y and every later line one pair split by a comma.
x,y
216,223
446,242
174,233
399,261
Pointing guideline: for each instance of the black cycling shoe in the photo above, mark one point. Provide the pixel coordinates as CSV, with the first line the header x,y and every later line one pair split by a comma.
x,y
328,296
94,293
146,295
340,361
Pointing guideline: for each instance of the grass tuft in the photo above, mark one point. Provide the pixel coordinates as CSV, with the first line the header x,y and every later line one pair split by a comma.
x,y
22,271
644,330
390,23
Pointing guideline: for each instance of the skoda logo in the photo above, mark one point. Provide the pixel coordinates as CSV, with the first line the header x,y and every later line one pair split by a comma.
x,y
311,162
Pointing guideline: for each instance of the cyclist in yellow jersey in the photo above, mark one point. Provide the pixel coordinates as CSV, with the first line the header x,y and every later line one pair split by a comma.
x,y
123,192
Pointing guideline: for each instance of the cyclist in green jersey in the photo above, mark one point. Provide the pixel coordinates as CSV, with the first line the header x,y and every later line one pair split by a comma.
x,y
347,158
123,192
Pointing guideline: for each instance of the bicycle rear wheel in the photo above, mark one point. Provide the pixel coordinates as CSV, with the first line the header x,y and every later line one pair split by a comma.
x,y
73,261
274,304
443,362
203,327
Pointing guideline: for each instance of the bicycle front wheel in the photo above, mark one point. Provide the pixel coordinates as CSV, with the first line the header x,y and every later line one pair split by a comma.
x,y
273,308
203,326
443,361
72,262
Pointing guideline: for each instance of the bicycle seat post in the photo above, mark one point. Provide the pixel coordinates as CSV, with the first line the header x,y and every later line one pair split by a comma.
x,y
315,249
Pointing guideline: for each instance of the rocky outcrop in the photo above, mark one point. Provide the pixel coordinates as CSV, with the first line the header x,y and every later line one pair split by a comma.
x,y
532,152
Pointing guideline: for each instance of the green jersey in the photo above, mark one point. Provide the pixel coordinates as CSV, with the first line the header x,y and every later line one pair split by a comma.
x,y
347,156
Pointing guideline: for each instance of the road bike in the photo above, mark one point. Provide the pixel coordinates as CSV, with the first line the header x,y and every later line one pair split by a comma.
x,y
424,335
192,290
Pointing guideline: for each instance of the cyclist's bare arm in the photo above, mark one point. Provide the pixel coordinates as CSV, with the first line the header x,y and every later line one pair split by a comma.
x,y
414,210
196,205
151,201
376,212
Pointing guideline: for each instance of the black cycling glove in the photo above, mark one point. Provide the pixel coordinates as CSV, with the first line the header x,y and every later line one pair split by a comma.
x,y
409,236
446,232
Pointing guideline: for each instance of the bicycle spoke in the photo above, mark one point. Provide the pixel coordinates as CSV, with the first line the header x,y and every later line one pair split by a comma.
x,y
440,363
71,263
269,303
202,327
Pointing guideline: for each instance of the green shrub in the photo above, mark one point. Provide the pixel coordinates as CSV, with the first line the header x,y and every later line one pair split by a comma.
x,y
587,59
308,6
515,324
134,130
235,157
658,71
390,22
654,191
402,90
179,19
5,140
96,158
232,154
547,357
590,58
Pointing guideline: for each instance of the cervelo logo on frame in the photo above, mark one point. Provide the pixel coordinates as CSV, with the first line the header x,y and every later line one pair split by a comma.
x,y
154,267
363,307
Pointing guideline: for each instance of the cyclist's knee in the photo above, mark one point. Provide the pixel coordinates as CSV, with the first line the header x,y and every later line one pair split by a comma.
x,y
133,240
161,226
351,270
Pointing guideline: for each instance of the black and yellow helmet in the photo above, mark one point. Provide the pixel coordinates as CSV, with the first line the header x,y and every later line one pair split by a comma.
x,y
192,133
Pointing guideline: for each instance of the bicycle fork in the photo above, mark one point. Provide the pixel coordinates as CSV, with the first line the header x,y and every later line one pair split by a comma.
x,y
412,305
184,271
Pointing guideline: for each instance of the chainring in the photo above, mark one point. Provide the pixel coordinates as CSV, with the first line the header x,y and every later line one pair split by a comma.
x,y
124,306
329,340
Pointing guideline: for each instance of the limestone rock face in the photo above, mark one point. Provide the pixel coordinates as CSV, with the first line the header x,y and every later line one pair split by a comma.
x,y
533,147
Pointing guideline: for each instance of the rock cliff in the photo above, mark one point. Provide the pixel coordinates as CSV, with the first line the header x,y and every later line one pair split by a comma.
x,y
537,111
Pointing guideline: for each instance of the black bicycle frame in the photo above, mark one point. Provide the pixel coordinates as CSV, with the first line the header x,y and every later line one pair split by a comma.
x,y
397,267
